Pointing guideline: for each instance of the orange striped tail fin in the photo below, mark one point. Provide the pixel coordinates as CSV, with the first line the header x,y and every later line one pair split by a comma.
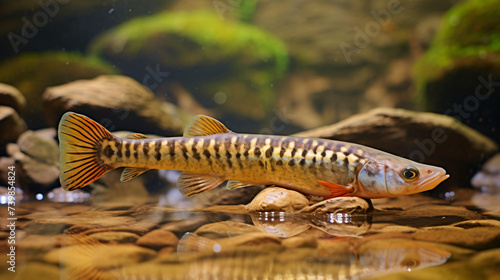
x,y
79,141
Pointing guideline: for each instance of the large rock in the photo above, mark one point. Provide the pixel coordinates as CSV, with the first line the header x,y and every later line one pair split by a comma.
x,y
223,196
11,125
31,75
223,64
12,97
117,102
424,137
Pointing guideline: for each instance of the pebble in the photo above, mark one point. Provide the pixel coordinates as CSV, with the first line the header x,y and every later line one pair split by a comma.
x,y
186,225
158,239
12,97
277,199
10,121
300,242
99,256
224,229
115,237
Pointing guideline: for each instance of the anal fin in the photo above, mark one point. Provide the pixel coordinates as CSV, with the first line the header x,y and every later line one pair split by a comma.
x,y
233,184
335,189
190,184
130,173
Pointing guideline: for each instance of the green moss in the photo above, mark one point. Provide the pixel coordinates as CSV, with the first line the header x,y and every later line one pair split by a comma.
x,y
226,50
470,29
219,38
470,32
247,9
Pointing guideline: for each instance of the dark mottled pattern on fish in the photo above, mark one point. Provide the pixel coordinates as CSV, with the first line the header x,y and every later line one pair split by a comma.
x,y
210,154
236,154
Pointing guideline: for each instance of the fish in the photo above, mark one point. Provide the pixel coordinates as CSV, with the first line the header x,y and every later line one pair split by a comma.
x,y
209,154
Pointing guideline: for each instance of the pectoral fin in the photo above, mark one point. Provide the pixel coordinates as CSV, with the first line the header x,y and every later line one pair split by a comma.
x,y
130,173
336,190
232,184
190,184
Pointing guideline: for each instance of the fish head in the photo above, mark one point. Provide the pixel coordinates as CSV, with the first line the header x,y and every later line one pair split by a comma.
x,y
395,176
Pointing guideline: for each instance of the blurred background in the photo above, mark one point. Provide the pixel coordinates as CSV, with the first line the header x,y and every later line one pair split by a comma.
x,y
258,66
416,78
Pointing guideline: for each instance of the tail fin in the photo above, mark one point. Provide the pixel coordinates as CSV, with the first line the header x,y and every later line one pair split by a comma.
x,y
79,140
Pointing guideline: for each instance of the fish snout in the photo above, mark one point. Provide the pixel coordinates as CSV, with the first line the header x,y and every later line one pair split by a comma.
x,y
432,177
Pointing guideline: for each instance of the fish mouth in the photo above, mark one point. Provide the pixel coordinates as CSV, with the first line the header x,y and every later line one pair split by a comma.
x,y
434,180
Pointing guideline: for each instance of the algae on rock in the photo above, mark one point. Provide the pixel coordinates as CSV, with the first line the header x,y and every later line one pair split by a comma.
x,y
458,75
204,54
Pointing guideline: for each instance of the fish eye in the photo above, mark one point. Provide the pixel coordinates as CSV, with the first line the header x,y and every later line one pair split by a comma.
x,y
410,263
409,173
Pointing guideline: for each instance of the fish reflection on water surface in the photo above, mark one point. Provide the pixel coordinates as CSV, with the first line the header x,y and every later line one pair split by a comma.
x,y
343,259
210,154
256,255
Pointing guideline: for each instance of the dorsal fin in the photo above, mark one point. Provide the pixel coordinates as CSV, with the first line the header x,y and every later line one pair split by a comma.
x,y
202,125
136,136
